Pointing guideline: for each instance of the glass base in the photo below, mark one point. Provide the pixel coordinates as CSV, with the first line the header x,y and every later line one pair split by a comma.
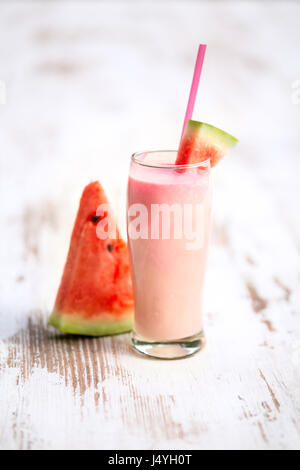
x,y
173,349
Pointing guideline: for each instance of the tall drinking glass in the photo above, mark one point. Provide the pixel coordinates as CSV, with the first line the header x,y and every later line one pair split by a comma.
x,y
168,224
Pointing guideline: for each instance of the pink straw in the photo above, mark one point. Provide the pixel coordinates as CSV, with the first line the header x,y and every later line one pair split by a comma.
x,y
194,87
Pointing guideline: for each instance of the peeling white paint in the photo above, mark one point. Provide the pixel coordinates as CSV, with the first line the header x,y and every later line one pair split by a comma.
x,y
61,130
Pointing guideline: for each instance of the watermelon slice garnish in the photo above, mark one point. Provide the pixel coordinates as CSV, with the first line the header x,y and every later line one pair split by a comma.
x,y
201,142
95,294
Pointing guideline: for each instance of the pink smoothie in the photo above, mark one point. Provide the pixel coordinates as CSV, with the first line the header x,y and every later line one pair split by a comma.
x,y
168,273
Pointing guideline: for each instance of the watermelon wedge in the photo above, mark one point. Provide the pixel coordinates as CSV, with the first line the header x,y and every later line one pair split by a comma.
x,y
201,142
95,294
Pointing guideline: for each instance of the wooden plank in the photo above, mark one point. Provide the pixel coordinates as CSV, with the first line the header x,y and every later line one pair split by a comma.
x,y
65,392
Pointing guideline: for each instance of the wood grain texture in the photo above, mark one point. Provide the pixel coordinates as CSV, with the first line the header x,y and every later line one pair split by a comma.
x,y
67,392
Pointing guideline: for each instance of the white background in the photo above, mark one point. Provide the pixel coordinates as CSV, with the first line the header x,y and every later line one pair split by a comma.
x,y
89,83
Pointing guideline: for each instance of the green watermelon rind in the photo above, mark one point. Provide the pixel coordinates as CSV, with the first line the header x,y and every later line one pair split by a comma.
x,y
76,325
213,134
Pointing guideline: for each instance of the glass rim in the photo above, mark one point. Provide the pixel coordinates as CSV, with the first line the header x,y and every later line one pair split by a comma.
x,y
134,158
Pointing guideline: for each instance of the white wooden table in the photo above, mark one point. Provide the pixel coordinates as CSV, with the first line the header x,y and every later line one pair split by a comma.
x,y
86,85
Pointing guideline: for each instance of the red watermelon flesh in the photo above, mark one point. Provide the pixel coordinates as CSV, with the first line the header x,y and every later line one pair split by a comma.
x,y
95,294
201,142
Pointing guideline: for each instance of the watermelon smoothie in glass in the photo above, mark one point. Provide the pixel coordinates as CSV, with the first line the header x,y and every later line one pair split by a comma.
x,y
169,224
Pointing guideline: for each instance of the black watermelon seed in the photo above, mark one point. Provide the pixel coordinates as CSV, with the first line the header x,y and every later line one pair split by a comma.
x,y
95,218
110,247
